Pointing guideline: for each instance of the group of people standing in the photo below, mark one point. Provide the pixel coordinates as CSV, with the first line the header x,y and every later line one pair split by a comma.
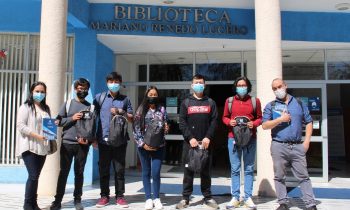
x,y
198,117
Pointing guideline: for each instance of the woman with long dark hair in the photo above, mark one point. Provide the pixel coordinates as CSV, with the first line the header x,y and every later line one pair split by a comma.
x,y
151,157
31,145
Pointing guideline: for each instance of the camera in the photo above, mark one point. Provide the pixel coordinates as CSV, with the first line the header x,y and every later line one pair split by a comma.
x,y
86,115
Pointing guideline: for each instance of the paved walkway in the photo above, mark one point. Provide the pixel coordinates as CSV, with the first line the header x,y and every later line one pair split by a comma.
x,y
334,195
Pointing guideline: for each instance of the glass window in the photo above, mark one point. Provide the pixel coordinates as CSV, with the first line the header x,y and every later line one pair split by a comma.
x,y
133,67
338,62
303,65
219,65
171,67
171,99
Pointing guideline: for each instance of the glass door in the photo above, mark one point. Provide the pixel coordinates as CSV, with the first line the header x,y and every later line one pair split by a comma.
x,y
315,96
171,96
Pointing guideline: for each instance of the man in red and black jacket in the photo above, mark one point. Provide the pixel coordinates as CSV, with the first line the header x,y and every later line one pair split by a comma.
x,y
242,105
198,119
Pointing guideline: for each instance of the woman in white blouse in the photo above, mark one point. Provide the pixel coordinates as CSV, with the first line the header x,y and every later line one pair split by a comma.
x,y
31,145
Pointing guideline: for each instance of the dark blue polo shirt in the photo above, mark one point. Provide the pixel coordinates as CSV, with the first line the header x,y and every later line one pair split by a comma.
x,y
287,131
105,115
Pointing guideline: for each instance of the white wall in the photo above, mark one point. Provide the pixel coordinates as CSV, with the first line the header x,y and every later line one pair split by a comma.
x,y
128,71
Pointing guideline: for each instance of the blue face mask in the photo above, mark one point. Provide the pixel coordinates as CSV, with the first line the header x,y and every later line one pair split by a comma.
x,y
38,97
198,88
241,91
113,87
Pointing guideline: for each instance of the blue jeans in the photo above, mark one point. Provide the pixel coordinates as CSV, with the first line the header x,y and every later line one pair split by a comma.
x,y
235,154
151,163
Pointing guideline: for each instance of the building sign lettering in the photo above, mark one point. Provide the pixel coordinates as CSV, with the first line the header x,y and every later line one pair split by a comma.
x,y
169,20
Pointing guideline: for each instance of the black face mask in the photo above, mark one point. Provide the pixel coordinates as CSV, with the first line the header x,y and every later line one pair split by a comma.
x,y
152,100
82,94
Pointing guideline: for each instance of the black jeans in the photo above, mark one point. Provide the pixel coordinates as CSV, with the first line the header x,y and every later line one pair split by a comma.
x,y
205,176
34,163
68,151
116,156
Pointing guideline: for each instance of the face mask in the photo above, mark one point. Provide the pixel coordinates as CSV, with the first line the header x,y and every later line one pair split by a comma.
x,y
198,88
280,93
241,91
82,94
113,87
38,97
152,100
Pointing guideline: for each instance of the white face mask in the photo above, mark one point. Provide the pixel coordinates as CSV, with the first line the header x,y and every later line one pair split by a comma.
x,y
280,93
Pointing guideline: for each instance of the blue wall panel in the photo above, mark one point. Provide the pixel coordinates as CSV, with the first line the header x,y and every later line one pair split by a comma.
x,y
316,26
78,13
20,16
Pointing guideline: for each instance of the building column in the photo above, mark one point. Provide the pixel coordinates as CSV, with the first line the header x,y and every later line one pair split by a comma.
x,y
52,68
268,67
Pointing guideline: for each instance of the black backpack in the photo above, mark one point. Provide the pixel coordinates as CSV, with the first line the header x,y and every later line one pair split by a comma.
x,y
118,127
197,159
118,131
86,126
154,134
241,131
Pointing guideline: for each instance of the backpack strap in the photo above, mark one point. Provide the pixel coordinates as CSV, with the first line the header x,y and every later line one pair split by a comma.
x,y
102,98
253,99
210,101
92,108
68,102
301,104
187,102
273,103
230,101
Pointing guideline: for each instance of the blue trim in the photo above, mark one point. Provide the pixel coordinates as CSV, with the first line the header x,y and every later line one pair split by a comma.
x,y
13,174
19,174
324,193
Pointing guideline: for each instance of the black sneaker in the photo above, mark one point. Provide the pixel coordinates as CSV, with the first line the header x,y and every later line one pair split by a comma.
x,y
55,205
211,203
283,206
182,204
311,208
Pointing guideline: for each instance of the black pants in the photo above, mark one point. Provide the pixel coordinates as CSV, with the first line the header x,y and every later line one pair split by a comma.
x,y
68,151
205,176
34,163
116,156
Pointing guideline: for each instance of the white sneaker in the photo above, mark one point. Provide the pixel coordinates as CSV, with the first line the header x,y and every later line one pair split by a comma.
x,y
157,204
249,203
234,203
149,204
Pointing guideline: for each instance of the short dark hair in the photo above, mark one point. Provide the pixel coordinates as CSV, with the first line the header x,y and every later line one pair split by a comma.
x,y
198,76
81,82
114,76
249,84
